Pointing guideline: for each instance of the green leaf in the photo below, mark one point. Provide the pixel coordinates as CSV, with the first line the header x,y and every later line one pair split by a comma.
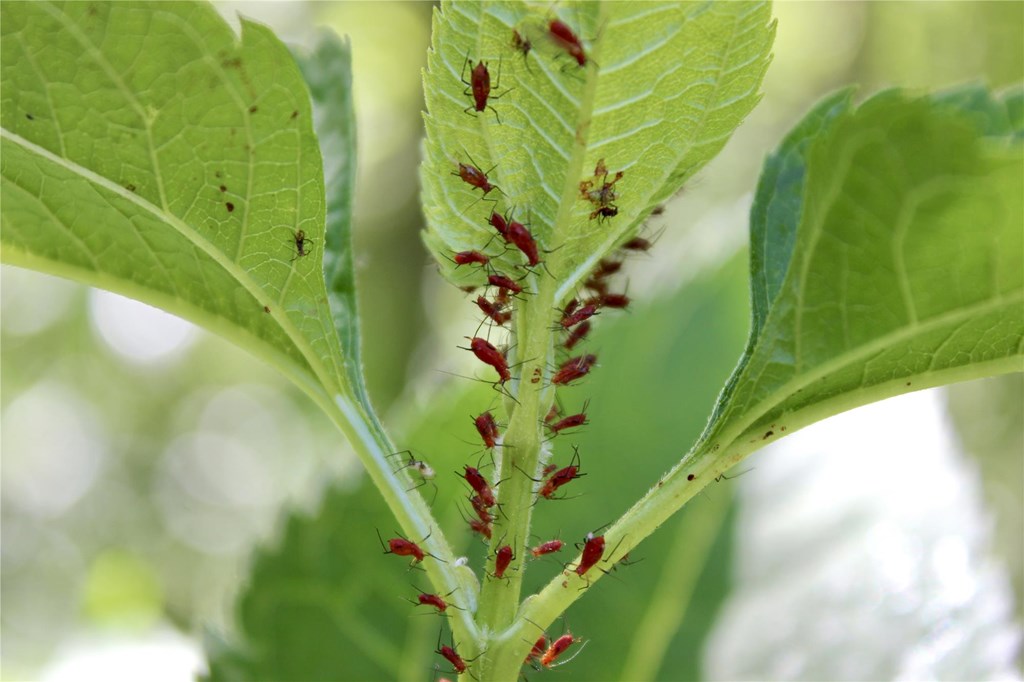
x,y
326,583
904,272
149,151
664,87
905,269
328,74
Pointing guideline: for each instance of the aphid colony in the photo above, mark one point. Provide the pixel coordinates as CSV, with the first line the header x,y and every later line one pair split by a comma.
x,y
572,323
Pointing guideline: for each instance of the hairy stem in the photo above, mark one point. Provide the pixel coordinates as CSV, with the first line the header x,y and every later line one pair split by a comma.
x,y
372,445
520,452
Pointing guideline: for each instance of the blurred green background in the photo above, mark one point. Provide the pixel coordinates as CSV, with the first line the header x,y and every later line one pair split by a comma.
x,y
144,460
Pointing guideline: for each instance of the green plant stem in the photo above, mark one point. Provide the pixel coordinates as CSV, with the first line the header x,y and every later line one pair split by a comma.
x,y
520,453
371,444
680,572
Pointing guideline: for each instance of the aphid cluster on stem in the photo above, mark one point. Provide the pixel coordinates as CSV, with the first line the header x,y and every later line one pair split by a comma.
x,y
504,255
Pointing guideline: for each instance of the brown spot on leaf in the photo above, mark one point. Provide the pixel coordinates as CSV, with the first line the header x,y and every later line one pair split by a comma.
x,y
768,435
223,188
230,206
253,109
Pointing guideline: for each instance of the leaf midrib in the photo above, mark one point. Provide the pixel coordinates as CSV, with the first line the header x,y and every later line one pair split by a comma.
x,y
237,273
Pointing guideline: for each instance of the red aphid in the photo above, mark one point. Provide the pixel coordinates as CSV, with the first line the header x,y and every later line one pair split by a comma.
x,y
449,653
467,257
577,334
637,244
538,649
567,40
489,355
482,527
561,477
479,484
523,240
481,509
593,549
584,313
606,268
474,176
480,87
502,558
552,413
498,222
487,428
570,422
570,307
548,469
433,600
606,300
402,547
480,82
493,311
557,648
503,282
547,548
573,369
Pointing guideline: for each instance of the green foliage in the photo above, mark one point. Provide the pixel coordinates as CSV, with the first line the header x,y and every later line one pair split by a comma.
x,y
176,177
147,150
863,284
868,307
329,564
328,73
675,80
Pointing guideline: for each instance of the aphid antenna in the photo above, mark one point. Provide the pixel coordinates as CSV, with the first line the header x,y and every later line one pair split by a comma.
x,y
563,498
477,166
607,555
542,263
484,322
559,404
626,561
420,485
383,545
481,198
721,477
535,480
497,82
534,624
